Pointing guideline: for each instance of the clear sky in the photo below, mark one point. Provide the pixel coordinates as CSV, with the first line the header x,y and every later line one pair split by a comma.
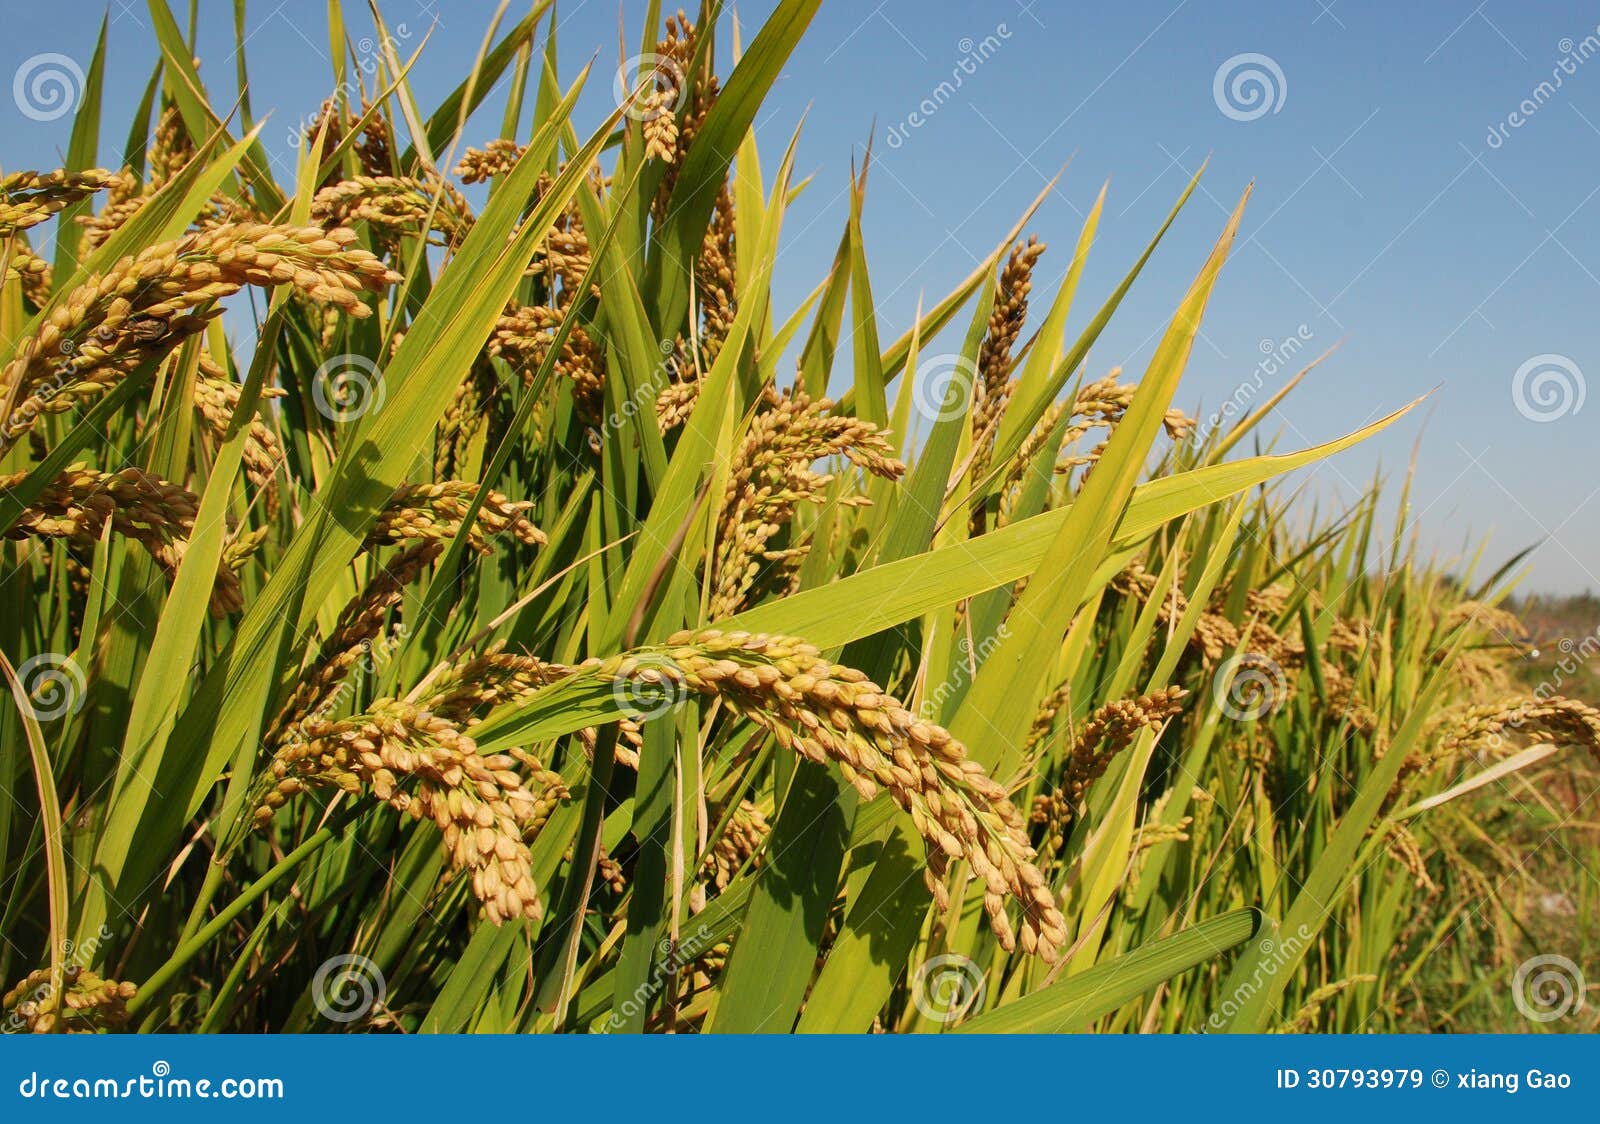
x,y
1425,174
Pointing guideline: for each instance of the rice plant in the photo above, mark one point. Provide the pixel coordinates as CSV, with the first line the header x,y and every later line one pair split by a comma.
x,y
512,618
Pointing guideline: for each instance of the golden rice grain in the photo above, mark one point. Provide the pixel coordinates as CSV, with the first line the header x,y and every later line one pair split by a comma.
x,y
29,198
147,304
80,1002
830,713
436,511
420,763
772,475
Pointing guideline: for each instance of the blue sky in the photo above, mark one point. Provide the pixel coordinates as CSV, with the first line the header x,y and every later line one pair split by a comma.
x,y
1425,193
